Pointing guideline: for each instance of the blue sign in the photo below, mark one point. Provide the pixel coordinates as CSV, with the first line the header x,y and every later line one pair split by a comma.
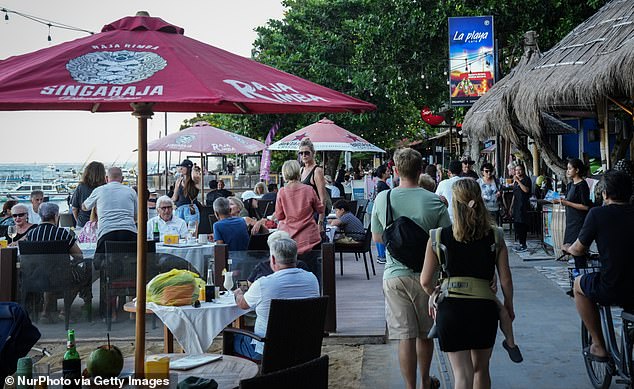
x,y
471,58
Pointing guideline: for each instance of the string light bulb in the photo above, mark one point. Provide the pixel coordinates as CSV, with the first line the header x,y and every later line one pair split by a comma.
x,y
6,15
49,32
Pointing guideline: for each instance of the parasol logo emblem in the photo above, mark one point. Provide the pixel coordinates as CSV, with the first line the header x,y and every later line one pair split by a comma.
x,y
185,139
115,67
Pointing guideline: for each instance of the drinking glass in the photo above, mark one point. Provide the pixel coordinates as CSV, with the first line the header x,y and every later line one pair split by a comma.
x,y
228,283
191,228
12,232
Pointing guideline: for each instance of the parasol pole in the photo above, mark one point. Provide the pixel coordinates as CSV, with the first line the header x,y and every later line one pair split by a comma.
x,y
202,178
166,164
142,111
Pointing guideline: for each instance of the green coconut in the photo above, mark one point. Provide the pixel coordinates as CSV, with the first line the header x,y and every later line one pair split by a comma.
x,y
106,361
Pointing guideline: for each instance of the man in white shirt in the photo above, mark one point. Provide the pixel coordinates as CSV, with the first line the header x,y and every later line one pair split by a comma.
x,y
286,282
168,223
445,186
116,210
37,197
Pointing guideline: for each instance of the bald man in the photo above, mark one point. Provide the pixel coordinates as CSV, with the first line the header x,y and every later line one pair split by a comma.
x,y
116,210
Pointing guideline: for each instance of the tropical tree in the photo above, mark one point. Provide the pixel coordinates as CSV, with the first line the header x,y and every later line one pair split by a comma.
x,y
392,53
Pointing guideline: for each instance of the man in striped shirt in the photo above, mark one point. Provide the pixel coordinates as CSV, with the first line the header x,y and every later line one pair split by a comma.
x,y
48,230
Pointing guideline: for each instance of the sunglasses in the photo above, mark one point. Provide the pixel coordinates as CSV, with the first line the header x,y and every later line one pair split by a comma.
x,y
486,171
304,153
166,207
19,215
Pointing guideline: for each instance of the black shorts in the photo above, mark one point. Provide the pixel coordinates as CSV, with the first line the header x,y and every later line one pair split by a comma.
x,y
591,286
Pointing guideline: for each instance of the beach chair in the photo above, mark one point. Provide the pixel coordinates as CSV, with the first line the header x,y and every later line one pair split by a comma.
x,y
310,375
294,333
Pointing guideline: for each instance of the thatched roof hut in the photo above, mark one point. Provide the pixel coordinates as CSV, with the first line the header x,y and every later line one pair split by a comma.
x,y
593,62
490,115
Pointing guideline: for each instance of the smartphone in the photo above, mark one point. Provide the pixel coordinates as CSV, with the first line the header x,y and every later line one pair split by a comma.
x,y
243,285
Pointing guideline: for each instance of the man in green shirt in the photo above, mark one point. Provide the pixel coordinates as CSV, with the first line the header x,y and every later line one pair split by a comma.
x,y
405,300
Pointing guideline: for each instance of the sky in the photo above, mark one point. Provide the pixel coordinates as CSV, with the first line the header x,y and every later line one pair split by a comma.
x,y
76,137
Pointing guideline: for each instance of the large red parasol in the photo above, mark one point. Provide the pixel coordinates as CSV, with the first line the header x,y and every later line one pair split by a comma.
x,y
326,136
144,59
144,64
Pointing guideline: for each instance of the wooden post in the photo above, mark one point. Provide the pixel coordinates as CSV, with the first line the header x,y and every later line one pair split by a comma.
x,y
142,111
221,253
535,153
329,288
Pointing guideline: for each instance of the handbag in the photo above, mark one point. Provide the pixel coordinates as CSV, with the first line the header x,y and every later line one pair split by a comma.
x,y
404,239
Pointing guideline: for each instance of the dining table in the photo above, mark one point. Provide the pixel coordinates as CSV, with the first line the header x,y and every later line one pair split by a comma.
x,y
226,370
194,327
195,253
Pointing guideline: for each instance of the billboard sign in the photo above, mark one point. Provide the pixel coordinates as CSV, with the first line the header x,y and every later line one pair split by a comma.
x,y
471,58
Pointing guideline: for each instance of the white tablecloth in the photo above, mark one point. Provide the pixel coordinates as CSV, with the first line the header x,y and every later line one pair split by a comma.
x,y
196,328
193,254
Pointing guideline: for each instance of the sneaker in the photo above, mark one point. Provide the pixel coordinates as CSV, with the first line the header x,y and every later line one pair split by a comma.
x,y
380,260
520,249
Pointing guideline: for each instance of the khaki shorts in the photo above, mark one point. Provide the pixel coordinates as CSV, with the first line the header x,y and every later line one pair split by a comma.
x,y
406,308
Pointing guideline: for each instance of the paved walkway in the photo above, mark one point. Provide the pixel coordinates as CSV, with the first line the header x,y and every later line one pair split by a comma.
x,y
546,328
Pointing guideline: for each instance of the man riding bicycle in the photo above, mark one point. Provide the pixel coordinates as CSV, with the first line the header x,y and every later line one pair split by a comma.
x,y
612,227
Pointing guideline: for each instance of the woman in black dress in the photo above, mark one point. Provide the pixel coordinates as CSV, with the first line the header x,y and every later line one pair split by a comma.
x,y
577,203
467,326
520,205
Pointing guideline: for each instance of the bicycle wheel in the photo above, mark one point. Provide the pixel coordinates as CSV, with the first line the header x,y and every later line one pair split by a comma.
x,y
598,372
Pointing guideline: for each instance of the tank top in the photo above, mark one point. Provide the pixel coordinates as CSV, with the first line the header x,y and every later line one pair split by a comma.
x,y
309,179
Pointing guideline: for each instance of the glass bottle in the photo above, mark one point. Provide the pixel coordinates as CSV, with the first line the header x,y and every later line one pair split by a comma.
x,y
210,288
71,364
156,235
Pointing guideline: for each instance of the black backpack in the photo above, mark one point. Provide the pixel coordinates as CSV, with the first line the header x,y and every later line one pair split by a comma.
x,y
404,239
17,336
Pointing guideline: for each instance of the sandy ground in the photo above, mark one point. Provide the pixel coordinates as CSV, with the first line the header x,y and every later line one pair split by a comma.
x,y
344,369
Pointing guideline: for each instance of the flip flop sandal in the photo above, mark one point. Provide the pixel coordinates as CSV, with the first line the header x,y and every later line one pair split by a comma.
x,y
594,358
514,352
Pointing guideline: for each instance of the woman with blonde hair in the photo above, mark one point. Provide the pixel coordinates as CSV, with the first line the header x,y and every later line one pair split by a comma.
x,y
467,318
313,174
294,209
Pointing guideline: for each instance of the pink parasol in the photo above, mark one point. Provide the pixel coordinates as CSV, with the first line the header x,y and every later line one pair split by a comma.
x,y
326,136
144,65
206,139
